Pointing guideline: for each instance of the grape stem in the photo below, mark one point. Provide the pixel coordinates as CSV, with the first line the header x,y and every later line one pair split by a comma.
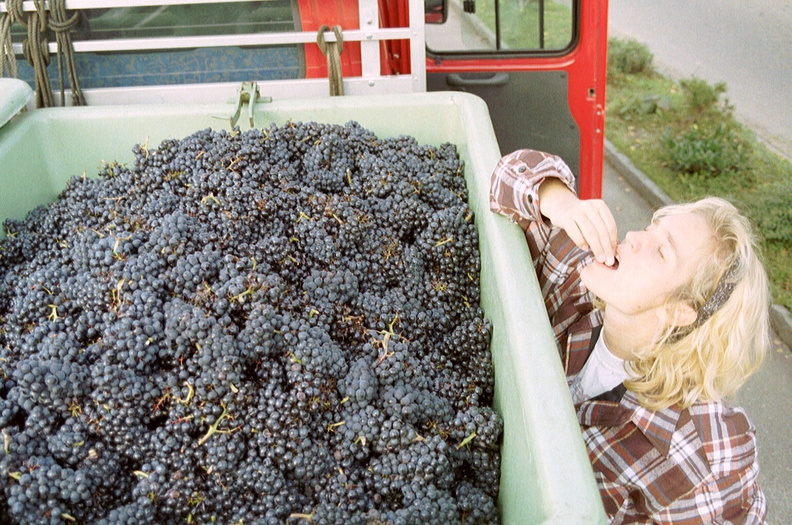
x,y
466,440
213,429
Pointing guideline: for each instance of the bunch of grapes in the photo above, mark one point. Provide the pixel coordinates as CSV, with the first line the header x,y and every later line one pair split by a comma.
x,y
279,325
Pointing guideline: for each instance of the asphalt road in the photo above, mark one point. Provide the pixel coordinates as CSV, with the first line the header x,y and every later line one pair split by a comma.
x,y
745,43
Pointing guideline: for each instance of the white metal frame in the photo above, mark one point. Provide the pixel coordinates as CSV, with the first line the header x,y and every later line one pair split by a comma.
x,y
369,35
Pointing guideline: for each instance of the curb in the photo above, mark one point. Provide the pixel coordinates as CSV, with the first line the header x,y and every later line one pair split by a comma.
x,y
642,184
781,322
780,319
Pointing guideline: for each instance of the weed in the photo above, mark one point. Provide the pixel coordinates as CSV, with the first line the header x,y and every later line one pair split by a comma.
x,y
709,151
702,96
629,57
772,210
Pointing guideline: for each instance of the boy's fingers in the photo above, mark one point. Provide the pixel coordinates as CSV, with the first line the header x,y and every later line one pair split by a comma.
x,y
577,236
591,226
597,234
604,228
590,236
610,224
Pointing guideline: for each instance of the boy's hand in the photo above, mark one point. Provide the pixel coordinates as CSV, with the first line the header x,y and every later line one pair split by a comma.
x,y
589,223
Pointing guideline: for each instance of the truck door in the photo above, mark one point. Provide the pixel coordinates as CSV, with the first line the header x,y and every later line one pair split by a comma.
x,y
540,66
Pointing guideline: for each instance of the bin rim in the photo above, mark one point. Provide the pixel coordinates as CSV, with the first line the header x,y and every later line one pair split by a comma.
x,y
16,95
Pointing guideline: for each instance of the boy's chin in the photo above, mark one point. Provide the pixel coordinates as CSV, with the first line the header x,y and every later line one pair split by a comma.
x,y
598,277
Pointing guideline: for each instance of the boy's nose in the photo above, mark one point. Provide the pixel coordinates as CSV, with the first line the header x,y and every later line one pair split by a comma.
x,y
636,241
631,238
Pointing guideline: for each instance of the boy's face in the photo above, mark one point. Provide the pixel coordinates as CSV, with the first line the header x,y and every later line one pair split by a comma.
x,y
652,264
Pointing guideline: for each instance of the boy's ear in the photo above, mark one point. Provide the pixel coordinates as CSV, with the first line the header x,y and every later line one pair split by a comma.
x,y
679,314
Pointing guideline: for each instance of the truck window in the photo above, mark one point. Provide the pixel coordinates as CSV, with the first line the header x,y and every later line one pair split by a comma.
x,y
186,20
502,26
109,67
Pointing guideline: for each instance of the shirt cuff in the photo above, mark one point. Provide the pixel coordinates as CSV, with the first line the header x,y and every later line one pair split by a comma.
x,y
516,179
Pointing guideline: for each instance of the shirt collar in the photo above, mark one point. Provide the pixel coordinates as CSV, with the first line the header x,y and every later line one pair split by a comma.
x,y
617,407
657,425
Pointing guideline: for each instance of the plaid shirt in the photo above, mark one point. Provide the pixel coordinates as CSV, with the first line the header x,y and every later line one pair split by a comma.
x,y
691,466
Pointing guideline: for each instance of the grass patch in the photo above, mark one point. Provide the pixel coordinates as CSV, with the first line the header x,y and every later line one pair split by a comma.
x,y
684,137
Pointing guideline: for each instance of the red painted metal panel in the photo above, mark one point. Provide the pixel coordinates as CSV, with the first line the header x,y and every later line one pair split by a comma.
x,y
395,54
316,13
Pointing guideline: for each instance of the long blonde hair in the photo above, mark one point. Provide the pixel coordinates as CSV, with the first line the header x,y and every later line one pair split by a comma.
x,y
711,359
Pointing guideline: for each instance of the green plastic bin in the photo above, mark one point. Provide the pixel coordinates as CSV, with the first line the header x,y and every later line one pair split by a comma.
x,y
546,476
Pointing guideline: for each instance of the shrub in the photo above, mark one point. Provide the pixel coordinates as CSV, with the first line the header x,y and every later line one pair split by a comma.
x,y
724,149
628,57
772,210
640,104
700,94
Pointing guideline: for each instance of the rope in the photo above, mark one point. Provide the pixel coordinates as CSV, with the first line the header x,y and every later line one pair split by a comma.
x,y
62,27
14,14
332,50
36,51
8,62
36,47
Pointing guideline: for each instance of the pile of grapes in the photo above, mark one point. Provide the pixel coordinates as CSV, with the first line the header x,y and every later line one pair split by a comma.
x,y
272,326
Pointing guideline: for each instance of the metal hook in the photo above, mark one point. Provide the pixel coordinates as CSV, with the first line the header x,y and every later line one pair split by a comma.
x,y
248,92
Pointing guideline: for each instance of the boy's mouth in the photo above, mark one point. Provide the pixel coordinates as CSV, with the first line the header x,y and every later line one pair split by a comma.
x,y
616,258
614,266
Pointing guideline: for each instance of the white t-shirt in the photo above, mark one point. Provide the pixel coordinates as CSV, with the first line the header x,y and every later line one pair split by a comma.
x,y
602,372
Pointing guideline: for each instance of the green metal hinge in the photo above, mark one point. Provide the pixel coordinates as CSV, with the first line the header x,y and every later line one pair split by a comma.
x,y
248,93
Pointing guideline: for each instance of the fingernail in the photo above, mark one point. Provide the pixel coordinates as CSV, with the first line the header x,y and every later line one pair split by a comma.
x,y
610,261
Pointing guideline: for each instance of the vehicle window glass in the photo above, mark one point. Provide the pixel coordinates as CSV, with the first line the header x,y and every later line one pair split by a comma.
x,y
178,64
503,25
185,20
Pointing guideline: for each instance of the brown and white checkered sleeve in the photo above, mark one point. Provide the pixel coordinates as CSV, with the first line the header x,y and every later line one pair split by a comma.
x,y
516,179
